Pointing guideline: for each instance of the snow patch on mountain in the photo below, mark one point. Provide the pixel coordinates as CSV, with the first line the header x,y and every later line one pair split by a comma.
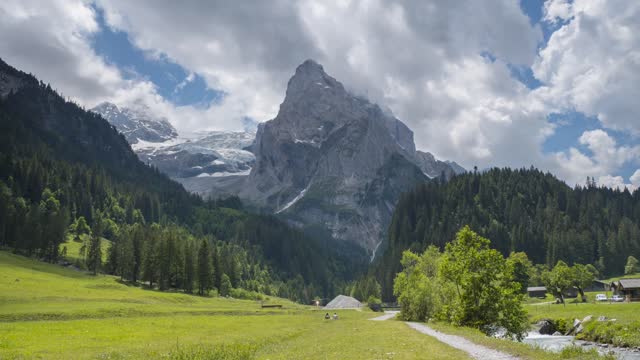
x,y
294,200
203,154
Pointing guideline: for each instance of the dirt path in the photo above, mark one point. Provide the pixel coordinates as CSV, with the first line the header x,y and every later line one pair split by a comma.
x,y
474,350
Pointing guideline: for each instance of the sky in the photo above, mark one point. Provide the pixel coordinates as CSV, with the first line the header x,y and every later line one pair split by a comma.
x,y
484,83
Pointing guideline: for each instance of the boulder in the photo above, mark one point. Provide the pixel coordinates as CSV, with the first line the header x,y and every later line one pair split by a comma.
x,y
587,319
547,327
577,324
557,333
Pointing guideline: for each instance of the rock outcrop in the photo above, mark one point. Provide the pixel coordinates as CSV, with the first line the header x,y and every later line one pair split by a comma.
x,y
435,168
331,161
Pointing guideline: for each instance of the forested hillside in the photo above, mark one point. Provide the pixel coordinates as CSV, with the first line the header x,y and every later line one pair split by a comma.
x,y
61,165
519,210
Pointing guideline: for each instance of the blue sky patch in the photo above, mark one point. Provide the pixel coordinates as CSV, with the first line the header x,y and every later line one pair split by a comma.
x,y
571,125
172,81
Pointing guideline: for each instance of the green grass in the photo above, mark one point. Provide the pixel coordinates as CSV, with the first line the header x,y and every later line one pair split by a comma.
x,y
623,312
33,290
51,312
630,276
355,337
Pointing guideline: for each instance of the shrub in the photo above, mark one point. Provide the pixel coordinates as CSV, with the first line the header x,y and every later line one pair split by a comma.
x,y
374,303
240,293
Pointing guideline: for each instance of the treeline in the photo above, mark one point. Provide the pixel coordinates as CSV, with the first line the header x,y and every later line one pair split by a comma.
x,y
521,210
171,258
60,163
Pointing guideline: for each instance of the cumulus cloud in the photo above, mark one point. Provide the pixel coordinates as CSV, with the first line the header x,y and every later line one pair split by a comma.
x,y
423,61
441,67
635,178
605,159
50,39
591,64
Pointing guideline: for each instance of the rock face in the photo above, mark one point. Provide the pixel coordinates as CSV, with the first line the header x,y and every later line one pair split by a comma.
x,y
435,168
136,123
333,162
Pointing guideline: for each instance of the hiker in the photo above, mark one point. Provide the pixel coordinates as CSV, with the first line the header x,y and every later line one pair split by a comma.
x,y
335,316
326,316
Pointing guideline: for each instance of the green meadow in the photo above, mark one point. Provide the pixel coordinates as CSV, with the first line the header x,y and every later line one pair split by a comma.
x,y
52,312
622,312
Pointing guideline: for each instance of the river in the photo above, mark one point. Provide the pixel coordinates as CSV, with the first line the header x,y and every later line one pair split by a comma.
x,y
557,343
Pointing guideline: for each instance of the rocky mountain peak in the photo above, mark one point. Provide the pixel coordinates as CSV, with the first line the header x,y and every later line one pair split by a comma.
x,y
310,80
332,160
137,122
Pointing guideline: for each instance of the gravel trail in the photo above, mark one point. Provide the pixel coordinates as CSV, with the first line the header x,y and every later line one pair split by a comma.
x,y
474,350
387,315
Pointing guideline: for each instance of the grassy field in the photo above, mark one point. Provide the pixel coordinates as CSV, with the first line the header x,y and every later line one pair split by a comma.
x,y
622,312
51,312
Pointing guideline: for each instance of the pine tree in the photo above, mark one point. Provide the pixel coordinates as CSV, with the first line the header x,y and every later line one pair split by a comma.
x,y
94,252
189,269
225,286
205,274
150,262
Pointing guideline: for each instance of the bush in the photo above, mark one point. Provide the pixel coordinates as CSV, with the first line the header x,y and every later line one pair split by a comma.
x,y
245,294
563,325
374,303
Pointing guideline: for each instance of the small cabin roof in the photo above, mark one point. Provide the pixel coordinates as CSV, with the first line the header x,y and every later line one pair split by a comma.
x,y
536,288
629,283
